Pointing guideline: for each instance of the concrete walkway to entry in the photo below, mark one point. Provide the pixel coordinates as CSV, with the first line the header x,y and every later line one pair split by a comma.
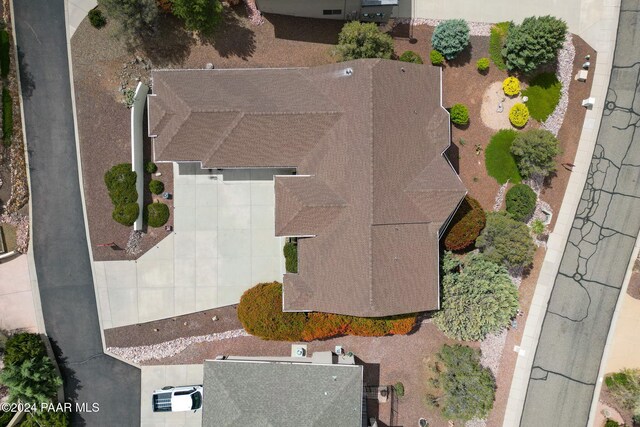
x,y
17,308
223,243
77,10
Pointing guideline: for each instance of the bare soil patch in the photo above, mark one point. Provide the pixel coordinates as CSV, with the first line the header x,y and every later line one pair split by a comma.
x,y
492,98
633,289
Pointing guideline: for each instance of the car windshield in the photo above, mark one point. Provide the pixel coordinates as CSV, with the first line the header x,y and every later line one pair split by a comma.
x,y
196,399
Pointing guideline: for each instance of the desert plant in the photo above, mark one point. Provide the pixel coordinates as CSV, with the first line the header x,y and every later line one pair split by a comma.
x,y
33,381
155,186
506,241
399,389
23,346
436,57
97,19
260,312
534,42
150,167
410,56
521,201
478,298
157,214
291,257
126,214
624,387
535,151
466,225
483,64
363,40
451,37
511,86
519,115
134,18
459,114
496,43
128,97
198,15
465,389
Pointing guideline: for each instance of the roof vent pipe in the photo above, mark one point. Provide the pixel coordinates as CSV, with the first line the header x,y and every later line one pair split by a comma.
x,y
348,71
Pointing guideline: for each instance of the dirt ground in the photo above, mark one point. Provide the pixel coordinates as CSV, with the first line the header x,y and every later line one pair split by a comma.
x,y
287,41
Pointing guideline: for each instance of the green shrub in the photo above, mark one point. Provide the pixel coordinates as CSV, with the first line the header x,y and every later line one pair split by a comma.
x,y
5,57
291,257
521,202
5,418
23,346
611,423
34,381
519,115
506,241
157,214
483,64
150,167
121,184
410,56
126,214
538,227
451,37
499,161
544,94
7,117
511,86
198,15
459,114
399,389
465,226
465,389
496,42
97,19
624,388
363,40
535,151
436,57
260,312
155,186
534,42
46,418
133,18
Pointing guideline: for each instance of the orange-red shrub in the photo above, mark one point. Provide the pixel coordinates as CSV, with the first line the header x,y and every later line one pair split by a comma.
x,y
465,226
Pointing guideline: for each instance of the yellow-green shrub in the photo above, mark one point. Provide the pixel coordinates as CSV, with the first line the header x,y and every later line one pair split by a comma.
x,y
519,115
511,86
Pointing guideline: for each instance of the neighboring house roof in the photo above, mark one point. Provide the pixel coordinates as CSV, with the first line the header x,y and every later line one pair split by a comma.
x,y
366,138
277,394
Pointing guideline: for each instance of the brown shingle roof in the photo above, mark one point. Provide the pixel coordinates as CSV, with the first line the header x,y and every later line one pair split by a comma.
x,y
376,191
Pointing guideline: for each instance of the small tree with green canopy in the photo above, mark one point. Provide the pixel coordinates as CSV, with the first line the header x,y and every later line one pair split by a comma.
x,y
521,201
464,389
135,18
535,151
534,42
198,15
451,37
506,241
33,381
478,298
363,40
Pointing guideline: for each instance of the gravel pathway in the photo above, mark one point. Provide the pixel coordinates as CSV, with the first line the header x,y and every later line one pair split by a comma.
x,y
475,28
566,55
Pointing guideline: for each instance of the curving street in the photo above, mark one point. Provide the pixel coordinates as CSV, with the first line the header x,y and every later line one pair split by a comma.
x,y
594,263
59,241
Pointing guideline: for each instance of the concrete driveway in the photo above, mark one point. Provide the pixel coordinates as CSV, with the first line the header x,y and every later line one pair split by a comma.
x,y
223,244
156,377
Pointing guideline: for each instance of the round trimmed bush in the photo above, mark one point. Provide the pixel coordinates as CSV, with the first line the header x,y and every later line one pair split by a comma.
x,y
483,64
519,115
436,57
459,114
97,19
410,56
126,214
466,225
511,86
451,37
155,186
521,202
150,167
157,214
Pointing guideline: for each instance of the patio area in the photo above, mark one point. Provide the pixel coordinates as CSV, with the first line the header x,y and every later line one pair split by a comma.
x,y
222,244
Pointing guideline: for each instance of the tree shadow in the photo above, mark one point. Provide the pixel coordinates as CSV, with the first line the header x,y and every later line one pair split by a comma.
x,y
71,383
27,83
453,155
462,59
310,30
169,45
232,37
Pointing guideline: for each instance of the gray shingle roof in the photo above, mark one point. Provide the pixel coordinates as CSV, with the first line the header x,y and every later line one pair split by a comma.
x,y
277,394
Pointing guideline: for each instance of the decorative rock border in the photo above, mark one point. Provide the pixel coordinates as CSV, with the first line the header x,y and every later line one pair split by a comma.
x,y
566,55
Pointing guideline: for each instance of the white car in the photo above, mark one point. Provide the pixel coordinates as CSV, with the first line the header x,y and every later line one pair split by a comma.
x,y
174,399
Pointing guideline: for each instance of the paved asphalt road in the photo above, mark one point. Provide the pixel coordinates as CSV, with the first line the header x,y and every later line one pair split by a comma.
x,y
578,317
59,241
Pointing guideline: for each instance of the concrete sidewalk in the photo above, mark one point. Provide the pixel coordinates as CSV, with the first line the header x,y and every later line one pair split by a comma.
x,y
605,29
17,307
77,10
